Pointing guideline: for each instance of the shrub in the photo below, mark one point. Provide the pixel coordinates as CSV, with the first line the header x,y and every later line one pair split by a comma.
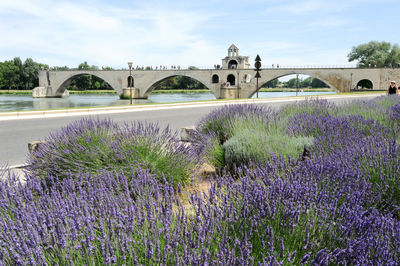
x,y
309,106
220,121
90,146
307,214
257,146
215,154
337,207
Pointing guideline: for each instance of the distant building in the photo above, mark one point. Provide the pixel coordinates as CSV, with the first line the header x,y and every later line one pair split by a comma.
x,y
234,60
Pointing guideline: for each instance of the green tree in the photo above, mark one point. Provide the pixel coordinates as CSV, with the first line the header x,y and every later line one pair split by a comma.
x,y
271,84
61,68
316,83
20,72
381,53
84,66
291,83
30,74
10,73
305,83
83,82
168,84
87,82
2,83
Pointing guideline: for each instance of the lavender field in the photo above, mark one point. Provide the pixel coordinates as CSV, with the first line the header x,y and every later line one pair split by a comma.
x,y
312,183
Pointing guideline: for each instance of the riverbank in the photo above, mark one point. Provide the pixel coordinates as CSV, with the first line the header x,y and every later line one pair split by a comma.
x,y
28,92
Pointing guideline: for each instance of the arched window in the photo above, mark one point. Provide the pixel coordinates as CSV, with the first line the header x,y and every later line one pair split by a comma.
x,y
231,79
215,78
232,64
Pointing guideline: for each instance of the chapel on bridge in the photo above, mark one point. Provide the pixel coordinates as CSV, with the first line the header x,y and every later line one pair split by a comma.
x,y
234,60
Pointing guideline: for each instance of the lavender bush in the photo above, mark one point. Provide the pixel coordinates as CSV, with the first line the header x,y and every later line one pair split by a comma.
x,y
308,213
247,134
258,146
221,121
339,205
90,145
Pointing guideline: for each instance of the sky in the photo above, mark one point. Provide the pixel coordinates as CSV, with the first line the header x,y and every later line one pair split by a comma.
x,y
193,33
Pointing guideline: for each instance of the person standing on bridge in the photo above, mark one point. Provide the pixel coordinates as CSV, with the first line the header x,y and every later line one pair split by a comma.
x,y
393,89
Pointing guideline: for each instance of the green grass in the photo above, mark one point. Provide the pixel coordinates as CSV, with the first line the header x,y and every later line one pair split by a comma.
x,y
180,91
14,92
294,89
29,92
93,92
215,154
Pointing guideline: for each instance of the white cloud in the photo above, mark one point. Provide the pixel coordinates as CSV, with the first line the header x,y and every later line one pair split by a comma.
x,y
185,33
104,35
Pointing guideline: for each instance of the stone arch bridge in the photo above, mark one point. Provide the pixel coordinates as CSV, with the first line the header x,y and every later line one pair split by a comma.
x,y
224,83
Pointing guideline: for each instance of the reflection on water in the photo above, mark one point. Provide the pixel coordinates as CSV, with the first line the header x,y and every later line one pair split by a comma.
x,y
26,102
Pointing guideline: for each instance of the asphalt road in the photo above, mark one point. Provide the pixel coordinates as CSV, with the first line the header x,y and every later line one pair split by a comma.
x,y
15,134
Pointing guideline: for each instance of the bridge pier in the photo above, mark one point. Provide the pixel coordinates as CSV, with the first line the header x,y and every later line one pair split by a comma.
x,y
126,94
229,92
47,92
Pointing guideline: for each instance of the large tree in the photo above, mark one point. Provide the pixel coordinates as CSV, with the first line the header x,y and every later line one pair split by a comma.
x,y
10,75
381,53
30,73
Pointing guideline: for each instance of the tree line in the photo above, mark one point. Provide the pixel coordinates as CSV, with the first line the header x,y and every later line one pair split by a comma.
x,y
15,74
18,75
88,82
309,82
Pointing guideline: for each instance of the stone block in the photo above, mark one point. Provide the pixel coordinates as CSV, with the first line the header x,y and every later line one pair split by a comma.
x,y
39,92
65,94
186,134
34,145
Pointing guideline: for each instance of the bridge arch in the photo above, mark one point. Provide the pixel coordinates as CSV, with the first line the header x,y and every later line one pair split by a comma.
x,y
67,80
155,83
270,78
365,84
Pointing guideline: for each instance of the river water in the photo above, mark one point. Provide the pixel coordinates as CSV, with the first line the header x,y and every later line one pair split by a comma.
x,y
26,102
